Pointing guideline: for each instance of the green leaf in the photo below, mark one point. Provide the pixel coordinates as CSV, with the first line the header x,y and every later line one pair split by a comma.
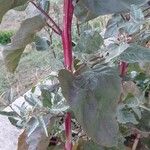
x,y
8,114
131,27
144,123
6,5
43,124
32,125
21,8
113,26
12,53
135,53
93,97
45,4
88,145
42,44
136,13
30,100
14,122
89,42
36,139
115,51
46,97
125,115
86,10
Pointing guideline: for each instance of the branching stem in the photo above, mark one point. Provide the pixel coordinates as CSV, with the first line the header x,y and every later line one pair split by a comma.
x,y
57,30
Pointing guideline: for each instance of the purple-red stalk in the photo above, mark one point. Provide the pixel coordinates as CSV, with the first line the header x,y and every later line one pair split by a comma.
x,y
66,34
67,47
123,66
68,144
68,60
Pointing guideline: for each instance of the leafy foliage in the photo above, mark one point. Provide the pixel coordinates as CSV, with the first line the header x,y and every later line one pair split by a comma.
x,y
135,53
25,35
6,5
42,44
5,37
89,42
86,9
94,92
86,94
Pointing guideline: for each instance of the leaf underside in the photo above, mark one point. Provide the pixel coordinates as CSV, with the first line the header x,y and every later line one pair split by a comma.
x,y
93,97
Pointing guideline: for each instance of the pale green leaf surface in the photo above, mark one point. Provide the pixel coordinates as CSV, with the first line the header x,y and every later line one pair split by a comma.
x,y
88,9
135,53
6,5
12,52
89,42
93,97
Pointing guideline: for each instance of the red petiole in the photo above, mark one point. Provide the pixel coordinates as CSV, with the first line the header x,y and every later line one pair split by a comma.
x,y
123,66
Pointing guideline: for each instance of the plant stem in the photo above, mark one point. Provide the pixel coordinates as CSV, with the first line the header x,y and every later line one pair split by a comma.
x,y
67,47
68,144
59,31
123,69
53,29
66,33
136,142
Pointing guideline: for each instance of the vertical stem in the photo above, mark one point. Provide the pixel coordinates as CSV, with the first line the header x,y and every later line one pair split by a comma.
x,y
68,144
66,34
68,60
123,69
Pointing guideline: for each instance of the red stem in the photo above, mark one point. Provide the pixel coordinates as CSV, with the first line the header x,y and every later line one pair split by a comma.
x,y
68,144
66,33
67,47
49,18
123,66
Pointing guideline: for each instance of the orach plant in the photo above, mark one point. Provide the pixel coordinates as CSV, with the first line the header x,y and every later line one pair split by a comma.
x,y
100,100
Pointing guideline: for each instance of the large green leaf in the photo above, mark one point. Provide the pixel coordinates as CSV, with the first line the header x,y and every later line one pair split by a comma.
x,y
135,53
90,145
93,97
88,9
12,53
90,41
6,5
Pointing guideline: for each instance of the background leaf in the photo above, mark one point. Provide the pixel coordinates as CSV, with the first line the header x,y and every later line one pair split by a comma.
x,y
6,5
135,53
89,42
37,139
42,44
12,53
86,10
